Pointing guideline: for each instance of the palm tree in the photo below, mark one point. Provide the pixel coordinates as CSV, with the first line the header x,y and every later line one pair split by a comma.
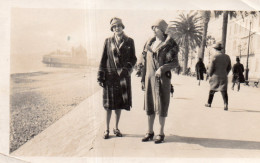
x,y
210,41
206,18
231,14
187,32
226,14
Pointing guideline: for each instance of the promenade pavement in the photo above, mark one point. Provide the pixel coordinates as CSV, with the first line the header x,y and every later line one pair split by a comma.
x,y
191,129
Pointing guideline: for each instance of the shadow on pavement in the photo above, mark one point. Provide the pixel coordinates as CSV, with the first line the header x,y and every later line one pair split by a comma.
x,y
244,110
214,143
133,135
235,110
181,98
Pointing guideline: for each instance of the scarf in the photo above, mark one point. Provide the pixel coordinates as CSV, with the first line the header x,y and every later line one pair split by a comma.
x,y
119,69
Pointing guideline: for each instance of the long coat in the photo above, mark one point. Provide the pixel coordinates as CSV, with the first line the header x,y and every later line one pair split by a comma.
x,y
157,92
238,70
200,70
218,71
113,90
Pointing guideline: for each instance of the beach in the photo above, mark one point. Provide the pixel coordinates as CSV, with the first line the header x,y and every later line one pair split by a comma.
x,y
38,99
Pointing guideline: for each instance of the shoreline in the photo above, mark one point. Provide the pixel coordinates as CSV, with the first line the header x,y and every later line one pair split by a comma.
x,y
53,69
38,99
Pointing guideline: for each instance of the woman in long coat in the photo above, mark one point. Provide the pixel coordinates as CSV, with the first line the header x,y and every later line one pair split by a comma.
x,y
200,70
114,75
218,71
160,57
238,76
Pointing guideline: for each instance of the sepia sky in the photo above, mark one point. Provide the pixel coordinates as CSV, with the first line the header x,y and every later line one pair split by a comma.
x,y
39,31
36,32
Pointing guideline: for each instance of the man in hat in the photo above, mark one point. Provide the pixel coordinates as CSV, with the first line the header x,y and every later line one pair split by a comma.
x,y
218,71
238,76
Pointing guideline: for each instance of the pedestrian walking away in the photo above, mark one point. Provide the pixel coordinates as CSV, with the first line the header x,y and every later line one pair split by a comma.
x,y
218,71
160,57
207,73
114,75
238,76
200,70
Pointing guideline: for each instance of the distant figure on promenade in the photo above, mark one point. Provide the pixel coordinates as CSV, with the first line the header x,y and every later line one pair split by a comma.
x,y
218,71
114,75
238,76
188,72
178,69
160,57
200,70
139,66
139,70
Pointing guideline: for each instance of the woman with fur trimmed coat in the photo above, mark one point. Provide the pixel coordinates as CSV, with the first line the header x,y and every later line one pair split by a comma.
x,y
160,57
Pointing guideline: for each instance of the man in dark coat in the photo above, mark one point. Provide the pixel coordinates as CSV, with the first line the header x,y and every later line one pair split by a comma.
x,y
218,71
200,70
238,76
114,75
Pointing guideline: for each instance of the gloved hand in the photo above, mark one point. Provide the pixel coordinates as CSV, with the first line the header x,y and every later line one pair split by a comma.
x,y
101,82
143,86
124,73
158,73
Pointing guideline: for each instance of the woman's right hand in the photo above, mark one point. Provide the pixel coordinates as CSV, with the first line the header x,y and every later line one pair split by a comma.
x,y
101,82
148,48
143,86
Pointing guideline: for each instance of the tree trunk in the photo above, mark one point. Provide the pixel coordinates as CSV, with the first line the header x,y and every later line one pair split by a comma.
x,y
186,58
206,18
224,30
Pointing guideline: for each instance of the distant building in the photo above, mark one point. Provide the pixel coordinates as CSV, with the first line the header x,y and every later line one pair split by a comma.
x,y
237,42
79,51
215,31
76,57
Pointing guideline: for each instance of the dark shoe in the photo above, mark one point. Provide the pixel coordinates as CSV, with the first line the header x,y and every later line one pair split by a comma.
x,y
159,139
148,136
106,134
117,132
226,107
208,105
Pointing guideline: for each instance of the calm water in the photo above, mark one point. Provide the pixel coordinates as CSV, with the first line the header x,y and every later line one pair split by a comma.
x,y
32,63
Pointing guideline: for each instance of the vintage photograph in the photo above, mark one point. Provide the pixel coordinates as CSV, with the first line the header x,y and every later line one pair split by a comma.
x,y
148,84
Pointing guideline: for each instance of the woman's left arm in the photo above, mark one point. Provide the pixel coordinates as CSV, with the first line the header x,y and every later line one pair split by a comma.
x,y
171,61
132,59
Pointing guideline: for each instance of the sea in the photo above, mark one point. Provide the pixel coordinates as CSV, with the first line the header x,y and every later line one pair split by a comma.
x,y
32,63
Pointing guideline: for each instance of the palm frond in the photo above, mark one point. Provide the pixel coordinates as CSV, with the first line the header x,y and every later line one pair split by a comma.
x,y
187,32
232,14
